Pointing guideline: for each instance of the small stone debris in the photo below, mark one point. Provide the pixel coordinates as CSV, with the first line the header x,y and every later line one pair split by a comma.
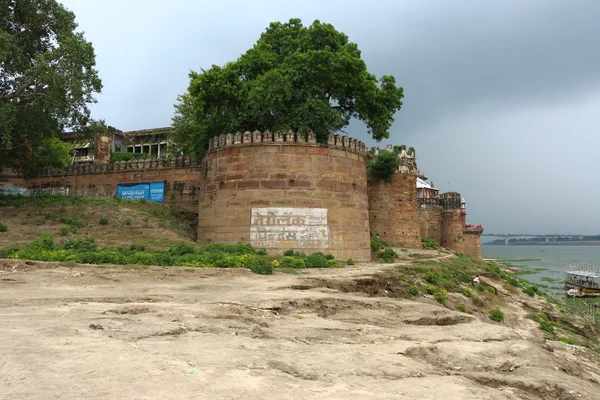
x,y
96,327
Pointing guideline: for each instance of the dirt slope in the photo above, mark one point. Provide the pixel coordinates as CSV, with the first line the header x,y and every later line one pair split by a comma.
x,y
74,332
152,225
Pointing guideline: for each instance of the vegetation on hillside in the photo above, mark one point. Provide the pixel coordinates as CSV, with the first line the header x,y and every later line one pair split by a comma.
x,y
47,80
152,224
300,78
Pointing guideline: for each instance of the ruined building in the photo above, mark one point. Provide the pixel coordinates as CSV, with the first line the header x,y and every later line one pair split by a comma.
x,y
275,190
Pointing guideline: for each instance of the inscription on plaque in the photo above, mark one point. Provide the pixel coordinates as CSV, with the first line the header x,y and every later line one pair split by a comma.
x,y
289,228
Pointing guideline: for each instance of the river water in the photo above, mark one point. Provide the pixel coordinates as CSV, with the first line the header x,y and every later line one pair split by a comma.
x,y
549,266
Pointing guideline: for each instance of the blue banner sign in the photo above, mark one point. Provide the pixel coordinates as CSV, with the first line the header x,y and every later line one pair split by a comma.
x,y
153,191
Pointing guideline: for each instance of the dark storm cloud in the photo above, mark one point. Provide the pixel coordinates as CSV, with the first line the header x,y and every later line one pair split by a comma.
x,y
501,97
451,55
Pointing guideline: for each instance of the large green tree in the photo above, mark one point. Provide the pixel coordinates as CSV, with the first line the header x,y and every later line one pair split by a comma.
x,y
295,77
47,80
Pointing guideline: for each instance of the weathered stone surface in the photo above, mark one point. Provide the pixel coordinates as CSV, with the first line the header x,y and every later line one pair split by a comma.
x,y
393,210
291,178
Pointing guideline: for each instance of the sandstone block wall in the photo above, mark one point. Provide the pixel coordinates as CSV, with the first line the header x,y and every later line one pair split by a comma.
x,y
430,222
452,230
393,210
289,175
472,244
183,179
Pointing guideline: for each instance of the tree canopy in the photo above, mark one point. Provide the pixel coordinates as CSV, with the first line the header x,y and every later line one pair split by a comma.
x,y
294,78
47,80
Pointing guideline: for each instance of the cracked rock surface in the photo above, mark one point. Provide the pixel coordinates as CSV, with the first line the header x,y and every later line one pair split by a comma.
x,y
74,332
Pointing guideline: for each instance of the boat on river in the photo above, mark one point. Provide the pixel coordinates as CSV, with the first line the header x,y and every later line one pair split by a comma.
x,y
582,280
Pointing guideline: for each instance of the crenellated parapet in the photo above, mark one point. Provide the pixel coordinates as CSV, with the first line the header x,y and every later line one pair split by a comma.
x,y
258,138
132,165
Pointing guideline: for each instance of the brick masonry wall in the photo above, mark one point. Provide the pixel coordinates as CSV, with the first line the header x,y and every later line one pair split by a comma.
x,y
430,222
104,184
452,230
393,210
286,175
472,245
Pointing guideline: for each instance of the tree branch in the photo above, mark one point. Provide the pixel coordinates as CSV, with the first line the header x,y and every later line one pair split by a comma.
x,y
19,92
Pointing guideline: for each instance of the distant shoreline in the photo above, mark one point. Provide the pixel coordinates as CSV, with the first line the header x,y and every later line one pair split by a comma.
x,y
572,243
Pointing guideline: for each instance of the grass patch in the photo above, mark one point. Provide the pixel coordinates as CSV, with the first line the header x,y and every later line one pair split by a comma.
x,y
496,314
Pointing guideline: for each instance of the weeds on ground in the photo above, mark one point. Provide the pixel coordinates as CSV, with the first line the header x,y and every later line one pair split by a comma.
x,y
496,314
213,255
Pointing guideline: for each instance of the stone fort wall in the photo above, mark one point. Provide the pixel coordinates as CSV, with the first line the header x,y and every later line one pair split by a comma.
x,y
285,191
393,210
430,222
182,178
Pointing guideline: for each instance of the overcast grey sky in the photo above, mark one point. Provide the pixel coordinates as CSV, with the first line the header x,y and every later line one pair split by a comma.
x,y
502,97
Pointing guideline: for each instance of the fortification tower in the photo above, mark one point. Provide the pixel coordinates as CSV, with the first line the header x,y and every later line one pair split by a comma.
x,y
430,211
285,191
452,221
393,208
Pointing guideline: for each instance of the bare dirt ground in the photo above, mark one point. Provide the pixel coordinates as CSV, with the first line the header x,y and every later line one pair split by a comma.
x,y
76,332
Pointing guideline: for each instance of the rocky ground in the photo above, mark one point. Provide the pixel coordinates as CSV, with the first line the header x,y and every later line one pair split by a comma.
x,y
75,332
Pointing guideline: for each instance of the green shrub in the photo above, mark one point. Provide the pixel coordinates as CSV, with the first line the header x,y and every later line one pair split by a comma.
x,y
288,253
350,261
388,255
429,244
3,227
127,222
261,265
467,292
530,291
384,166
496,314
38,222
375,246
229,262
71,221
440,296
181,249
137,247
239,248
464,278
491,289
261,252
414,290
86,244
316,260
331,262
461,306
9,253
103,220
545,324
431,289
291,262
432,276
65,230
48,215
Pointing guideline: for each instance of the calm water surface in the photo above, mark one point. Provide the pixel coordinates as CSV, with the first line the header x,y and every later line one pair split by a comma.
x,y
552,258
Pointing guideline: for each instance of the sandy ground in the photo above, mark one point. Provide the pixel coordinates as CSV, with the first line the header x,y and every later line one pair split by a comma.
x,y
77,332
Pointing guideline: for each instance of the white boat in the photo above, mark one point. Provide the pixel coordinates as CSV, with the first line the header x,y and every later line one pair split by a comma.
x,y
582,280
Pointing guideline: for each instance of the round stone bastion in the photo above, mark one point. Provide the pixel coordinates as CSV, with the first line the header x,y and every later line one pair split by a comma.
x,y
282,191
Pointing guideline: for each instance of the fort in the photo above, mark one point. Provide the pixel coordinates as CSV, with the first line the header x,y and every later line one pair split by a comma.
x,y
275,190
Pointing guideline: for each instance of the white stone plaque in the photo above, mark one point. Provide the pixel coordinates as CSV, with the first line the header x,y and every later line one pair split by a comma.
x,y
289,228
